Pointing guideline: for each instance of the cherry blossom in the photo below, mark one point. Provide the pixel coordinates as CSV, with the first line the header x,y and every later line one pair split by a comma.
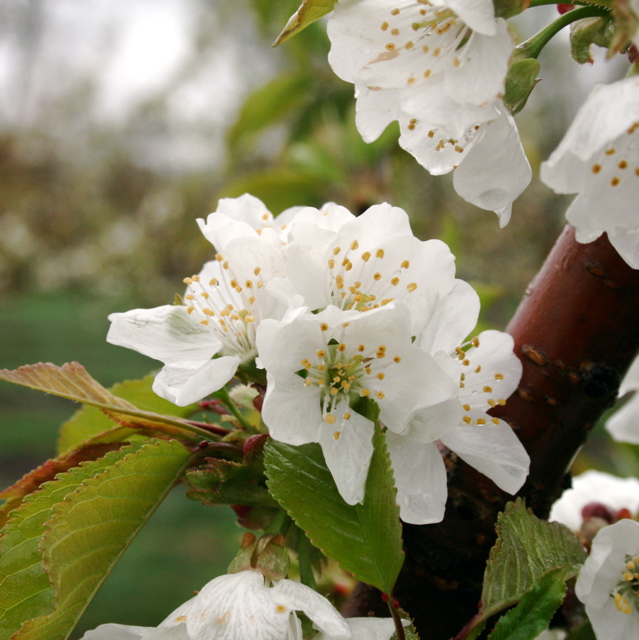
x,y
598,159
439,69
595,486
240,606
609,581
203,341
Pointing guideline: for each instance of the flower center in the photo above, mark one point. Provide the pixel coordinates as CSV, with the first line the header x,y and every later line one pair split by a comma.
x,y
230,308
344,373
626,593
361,280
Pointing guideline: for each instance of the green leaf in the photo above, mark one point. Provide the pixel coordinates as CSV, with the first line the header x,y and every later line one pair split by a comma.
x,y
25,589
72,381
533,614
364,539
89,421
94,449
270,104
526,548
308,12
94,525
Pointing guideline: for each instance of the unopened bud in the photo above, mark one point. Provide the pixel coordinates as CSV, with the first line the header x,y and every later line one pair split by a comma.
x,y
521,80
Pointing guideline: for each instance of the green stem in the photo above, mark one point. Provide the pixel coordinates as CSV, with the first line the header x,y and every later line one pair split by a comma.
x,y
280,523
224,395
532,47
307,576
399,627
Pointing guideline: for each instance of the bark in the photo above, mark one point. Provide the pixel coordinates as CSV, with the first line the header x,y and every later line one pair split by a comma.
x,y
576,332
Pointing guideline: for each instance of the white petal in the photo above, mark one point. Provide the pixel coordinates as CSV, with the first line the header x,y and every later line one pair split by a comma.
x,y
301,598
453,319
492,449
234,217
420,476
237,606
165,333
479,15
480,78
183,386
495,170
367,629
347,447
117,632
606,114
375,110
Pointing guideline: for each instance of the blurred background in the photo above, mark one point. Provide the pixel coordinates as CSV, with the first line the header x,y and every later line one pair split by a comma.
x,y
123,122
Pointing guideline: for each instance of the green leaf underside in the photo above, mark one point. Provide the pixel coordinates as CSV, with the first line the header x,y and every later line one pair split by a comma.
x,y
526,549
309,11
533,614
90,421
72,381
364,539
106,504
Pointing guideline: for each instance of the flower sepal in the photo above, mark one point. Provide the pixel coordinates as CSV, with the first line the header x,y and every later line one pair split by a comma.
x,y
267,554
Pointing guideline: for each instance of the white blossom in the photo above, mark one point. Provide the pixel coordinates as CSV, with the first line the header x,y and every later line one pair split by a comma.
x,y
609,580
594,486
439,69
344,356
203,341
598,159
240,606
623,426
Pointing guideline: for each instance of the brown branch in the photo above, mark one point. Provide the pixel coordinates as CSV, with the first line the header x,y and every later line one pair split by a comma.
x,y
576,331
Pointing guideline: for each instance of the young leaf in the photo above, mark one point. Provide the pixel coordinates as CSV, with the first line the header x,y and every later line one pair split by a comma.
x,y
533,614
89,421
308,12
90,530
526,548
25,589
72,381
364,539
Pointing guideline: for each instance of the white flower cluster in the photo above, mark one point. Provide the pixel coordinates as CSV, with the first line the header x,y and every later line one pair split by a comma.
x,y
438,67
242,606
338,308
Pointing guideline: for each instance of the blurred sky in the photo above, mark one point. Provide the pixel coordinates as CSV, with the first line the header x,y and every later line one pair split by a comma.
x,y
199,59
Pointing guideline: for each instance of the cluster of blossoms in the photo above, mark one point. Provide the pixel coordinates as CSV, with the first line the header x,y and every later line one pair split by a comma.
x,y
438,67
341,310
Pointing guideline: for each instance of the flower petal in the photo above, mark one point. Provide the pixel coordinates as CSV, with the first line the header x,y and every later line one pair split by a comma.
x,y
492,449
302,598
347,447
367,629
165,333
495,170
420,476
183,386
